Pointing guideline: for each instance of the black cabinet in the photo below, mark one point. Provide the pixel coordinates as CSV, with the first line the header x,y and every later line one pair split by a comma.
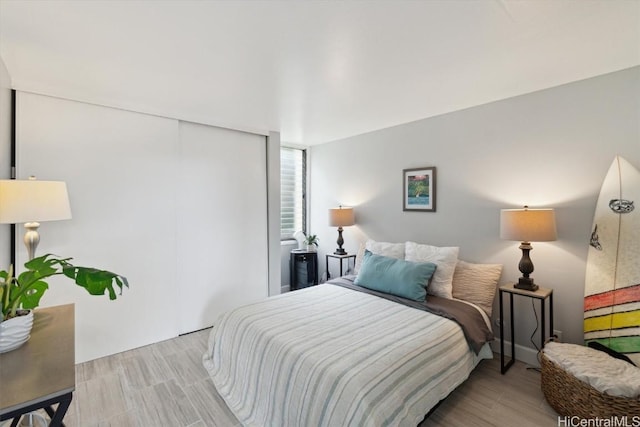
x,y
303,269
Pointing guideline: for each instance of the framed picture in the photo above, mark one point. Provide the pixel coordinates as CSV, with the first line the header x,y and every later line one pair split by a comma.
x,y
419,189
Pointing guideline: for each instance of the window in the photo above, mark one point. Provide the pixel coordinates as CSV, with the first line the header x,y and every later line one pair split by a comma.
x,y
293,207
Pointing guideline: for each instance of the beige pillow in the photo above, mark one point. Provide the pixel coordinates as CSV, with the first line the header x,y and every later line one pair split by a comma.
x,y
476,283
391,250
444,257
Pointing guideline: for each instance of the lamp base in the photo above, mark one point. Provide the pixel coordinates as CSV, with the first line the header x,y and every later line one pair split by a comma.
x,y
31,238
526,283
33,419
340,242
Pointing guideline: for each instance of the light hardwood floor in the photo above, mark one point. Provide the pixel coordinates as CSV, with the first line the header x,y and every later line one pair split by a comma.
x,y
165,384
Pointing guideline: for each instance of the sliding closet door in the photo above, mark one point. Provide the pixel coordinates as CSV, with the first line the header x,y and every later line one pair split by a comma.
x,y
178,208
222,223
121,174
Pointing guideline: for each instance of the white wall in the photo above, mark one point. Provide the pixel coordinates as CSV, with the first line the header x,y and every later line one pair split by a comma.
x,y
546,149
126,173
5,155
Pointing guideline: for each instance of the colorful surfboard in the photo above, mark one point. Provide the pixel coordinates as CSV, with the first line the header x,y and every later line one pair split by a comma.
x,y
612,284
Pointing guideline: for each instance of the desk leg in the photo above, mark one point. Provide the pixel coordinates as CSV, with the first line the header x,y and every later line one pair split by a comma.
x,y
513,331
56,416
501,333
551,314
61,410
542,331
505,367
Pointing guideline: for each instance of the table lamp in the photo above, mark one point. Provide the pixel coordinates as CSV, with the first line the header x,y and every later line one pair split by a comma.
x,y
527,225
341,217
30,201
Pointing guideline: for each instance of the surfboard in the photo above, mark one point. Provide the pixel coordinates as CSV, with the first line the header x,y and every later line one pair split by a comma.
x,y
612,281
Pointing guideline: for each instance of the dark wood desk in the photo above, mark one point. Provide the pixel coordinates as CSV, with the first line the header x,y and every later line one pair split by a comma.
x,y
42,372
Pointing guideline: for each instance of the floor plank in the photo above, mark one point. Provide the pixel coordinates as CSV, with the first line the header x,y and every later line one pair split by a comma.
x,y
165,385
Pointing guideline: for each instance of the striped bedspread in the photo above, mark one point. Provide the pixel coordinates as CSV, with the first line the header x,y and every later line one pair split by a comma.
x,y
331,356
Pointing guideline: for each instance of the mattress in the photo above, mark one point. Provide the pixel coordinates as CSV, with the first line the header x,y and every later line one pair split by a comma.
x,y
332,356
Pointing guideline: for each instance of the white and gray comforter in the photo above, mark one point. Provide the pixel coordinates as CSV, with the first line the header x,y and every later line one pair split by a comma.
x,y
331,356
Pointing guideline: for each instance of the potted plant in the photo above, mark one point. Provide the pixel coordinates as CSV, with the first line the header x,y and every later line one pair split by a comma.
x,y
20,295
312,242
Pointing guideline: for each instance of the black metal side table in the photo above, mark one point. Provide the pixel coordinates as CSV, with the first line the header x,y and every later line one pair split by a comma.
x,y
542,294
340,258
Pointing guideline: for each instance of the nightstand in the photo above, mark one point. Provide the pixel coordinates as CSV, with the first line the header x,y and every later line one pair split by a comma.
x,y
542,294
340,258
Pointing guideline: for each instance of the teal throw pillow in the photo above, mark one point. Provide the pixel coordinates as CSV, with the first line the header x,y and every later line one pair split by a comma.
x,y
393,276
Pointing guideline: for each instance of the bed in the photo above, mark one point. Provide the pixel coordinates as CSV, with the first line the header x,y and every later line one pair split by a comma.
x,y
339,354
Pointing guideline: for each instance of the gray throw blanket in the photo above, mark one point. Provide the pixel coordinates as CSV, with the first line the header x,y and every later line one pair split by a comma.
x,y
475,330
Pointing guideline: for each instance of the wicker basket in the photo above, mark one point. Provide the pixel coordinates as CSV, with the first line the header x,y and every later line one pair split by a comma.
x,y
570,396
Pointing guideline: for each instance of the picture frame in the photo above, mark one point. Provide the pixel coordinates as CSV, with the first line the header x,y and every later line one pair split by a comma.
x,y
419,189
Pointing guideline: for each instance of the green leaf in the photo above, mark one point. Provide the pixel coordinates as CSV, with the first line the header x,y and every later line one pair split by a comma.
x,y
96,282
28,288
31,298
42,266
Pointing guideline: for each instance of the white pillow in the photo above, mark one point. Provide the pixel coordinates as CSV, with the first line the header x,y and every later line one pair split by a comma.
x,y
391,250
476,283
445,258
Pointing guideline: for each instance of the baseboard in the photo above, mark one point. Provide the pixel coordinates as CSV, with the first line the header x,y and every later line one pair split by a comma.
x,y
524,354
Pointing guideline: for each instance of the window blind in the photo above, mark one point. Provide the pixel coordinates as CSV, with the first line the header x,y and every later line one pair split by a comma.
x,y
292,191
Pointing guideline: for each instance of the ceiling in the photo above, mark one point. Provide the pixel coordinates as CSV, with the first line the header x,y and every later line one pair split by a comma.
x,y
316,71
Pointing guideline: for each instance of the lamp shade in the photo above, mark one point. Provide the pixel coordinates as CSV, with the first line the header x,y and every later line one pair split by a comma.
x,y
32,201
341,217
528,225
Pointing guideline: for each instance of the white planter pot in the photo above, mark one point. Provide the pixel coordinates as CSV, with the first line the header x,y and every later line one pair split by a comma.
x,y
311,248
15,331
